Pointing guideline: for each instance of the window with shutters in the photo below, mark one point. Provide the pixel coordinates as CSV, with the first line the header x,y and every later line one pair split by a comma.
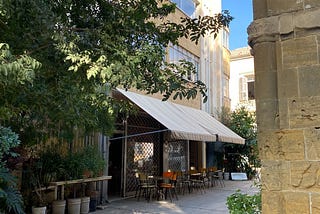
x,y
246,88
243,89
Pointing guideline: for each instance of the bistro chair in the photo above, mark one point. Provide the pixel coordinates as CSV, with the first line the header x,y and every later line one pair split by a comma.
x,y
168,186
216,177
205,177
183,182
197,181
145,186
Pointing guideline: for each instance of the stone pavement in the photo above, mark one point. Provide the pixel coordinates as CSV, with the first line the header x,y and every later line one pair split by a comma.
x,y
213,201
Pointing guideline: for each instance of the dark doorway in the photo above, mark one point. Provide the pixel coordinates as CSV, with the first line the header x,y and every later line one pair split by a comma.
x,y
115,163
195,155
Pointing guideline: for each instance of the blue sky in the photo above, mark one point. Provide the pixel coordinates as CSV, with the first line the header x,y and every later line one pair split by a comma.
x,y
241,10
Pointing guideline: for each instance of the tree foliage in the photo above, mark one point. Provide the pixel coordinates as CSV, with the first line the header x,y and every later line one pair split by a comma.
x,y
65,55
242,157
243,122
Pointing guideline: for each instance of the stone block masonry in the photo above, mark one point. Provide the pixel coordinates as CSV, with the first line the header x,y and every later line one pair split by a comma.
x,y
285,38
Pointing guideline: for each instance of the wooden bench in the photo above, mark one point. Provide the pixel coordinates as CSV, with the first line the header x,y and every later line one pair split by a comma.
x,y
62,184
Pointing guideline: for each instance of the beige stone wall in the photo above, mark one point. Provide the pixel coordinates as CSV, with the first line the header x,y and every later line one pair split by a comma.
x,y
285,37
183,42
189,46
193,103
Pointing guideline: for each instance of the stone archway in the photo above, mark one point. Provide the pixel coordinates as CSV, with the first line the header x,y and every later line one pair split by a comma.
x,y
285,38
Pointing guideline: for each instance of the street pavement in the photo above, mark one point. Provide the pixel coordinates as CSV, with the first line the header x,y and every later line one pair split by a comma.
x,y
213,201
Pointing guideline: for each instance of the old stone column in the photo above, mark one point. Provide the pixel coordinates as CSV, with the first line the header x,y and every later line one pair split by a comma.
x,y
285,37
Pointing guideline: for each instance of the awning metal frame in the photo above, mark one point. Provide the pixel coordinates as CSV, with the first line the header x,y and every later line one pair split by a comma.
x,y
182,122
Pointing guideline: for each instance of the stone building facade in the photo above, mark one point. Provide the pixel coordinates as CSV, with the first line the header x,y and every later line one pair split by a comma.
x,y
285,37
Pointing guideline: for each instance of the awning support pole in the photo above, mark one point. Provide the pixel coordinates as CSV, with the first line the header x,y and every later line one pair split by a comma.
x,y
125,157
139,134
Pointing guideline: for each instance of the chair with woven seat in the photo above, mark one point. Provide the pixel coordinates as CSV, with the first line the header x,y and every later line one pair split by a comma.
x,y
168,186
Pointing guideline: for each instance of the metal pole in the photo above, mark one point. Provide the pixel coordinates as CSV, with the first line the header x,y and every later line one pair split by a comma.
x,y
105,153
188,155
125,143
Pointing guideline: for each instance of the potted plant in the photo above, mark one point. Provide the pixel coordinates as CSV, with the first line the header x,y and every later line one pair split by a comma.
x,y
93,160
48,167
37,183
94,163
74,167
93,194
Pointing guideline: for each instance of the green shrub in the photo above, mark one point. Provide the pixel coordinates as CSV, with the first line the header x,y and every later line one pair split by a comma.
x,y
94,161
240,203
8,140
10,197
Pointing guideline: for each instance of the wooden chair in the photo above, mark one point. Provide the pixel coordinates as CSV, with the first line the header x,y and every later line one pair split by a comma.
x,y
145,186
168,186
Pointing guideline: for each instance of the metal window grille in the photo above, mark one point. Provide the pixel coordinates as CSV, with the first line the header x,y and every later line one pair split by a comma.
x,y
177,155
143,151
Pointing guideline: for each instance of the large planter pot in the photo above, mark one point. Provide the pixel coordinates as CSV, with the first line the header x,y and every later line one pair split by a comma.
x,y
220,175
85,201
39,210
93,204
226,176
93,201
58,207
74,205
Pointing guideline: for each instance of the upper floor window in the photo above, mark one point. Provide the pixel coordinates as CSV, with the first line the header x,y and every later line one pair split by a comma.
x,y
247,88
225,86
225,38
187,6
177,53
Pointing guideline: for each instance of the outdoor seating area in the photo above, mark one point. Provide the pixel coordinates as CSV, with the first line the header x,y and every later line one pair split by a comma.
x,y
172,183
213,201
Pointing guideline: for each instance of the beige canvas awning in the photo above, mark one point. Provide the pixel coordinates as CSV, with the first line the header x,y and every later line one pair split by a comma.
x,y
184,123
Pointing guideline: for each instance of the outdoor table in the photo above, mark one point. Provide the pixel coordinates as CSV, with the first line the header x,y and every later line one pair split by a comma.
x,y
158,179
195,175
61,184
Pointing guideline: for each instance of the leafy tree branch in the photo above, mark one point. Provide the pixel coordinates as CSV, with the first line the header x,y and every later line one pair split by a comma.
x,y
63,53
